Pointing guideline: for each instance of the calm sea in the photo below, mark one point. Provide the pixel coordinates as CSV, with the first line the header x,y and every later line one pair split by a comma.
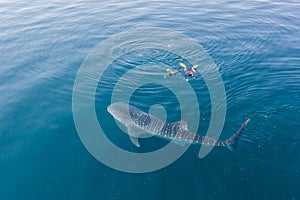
x,y
255,46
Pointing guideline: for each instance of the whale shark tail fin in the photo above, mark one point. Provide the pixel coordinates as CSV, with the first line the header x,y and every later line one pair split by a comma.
x,y
232,142
233,147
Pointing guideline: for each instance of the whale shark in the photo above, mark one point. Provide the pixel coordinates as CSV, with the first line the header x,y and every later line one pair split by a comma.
x,y
138,122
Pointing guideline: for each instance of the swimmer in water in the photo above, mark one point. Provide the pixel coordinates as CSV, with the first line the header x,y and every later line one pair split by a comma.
x,y
171,72
189,72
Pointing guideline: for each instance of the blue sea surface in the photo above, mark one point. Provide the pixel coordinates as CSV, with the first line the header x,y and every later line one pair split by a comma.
x,y
255,46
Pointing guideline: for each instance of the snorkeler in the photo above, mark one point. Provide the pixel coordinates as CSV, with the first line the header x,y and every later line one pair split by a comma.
x,y
189,72
171,72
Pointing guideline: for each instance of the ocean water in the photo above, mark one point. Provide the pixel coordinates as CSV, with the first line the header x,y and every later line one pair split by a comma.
x,y
255,46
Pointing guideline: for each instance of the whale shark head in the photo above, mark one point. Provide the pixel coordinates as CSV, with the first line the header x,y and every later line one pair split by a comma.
x,y
138,123
119,110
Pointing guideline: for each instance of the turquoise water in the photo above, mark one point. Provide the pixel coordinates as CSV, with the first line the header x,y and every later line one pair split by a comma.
x,y
255,45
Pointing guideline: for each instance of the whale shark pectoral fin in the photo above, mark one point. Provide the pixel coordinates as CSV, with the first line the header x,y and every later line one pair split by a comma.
x,y
134,133
135,141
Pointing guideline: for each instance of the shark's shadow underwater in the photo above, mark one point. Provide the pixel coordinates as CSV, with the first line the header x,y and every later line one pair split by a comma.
x,y
139,122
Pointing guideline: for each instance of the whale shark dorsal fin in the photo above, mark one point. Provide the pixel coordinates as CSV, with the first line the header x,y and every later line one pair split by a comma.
x,y
134,133
183,125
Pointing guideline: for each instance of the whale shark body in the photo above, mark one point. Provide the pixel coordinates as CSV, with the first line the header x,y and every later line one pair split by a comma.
x,y
139,122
